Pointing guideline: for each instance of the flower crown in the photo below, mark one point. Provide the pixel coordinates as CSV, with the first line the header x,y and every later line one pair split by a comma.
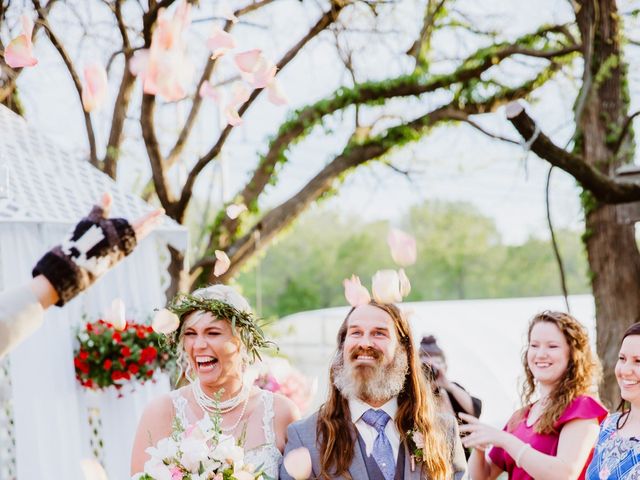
x,y
244,324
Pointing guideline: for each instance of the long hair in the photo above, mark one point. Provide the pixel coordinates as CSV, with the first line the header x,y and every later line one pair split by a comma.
x,y
336,432
582,374
622,419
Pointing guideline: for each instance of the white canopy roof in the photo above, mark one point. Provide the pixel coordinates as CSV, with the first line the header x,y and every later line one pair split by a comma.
x,y
41,182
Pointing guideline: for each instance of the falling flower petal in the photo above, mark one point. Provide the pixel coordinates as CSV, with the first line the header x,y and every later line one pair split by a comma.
x,y
262,75
19,52
92,469
94,89
222,263
232,115
247,61
355,293
209,91
405,284
297,463
240,94
403,247
385,287
234,211
165,322
220,42
115,314
275,94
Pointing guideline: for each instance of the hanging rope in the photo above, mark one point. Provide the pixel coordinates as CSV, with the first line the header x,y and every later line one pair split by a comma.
x,y
554,244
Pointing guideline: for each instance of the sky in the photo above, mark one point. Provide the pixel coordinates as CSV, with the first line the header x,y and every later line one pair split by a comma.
x,y
454,163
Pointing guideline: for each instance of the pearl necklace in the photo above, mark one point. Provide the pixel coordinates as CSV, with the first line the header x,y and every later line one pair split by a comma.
x,y
211,405
235,425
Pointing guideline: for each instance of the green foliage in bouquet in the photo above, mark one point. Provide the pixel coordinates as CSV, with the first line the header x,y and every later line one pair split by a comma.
x,y
106,356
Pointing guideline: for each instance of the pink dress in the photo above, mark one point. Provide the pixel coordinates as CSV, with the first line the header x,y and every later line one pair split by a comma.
x,y
581,407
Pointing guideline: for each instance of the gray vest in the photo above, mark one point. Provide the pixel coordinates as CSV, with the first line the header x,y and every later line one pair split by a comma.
x,y
373,471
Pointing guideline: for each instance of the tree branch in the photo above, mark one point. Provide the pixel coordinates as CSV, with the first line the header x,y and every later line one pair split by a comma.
x,y
122,101
42,15
604,188
323,22
206,74
367,93
624,131
354,154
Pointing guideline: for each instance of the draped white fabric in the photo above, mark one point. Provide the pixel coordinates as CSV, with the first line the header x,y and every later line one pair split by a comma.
x,y
50,408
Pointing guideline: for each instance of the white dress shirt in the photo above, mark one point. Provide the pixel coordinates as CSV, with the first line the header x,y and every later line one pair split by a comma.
x,y
367,432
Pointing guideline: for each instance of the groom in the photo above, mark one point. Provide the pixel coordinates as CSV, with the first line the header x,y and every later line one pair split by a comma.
x,y
377,394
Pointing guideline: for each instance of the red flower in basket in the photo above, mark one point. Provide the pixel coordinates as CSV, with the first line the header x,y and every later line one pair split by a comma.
x,y
106,357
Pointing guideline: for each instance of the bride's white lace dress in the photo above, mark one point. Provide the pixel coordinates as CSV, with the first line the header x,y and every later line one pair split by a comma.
x,y
266,456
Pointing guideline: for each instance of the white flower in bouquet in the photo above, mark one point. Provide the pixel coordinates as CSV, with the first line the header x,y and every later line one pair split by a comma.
x,y
165,448
227,452
194,452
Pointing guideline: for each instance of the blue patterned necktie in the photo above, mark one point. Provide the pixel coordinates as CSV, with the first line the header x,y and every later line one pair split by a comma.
x,y
382,451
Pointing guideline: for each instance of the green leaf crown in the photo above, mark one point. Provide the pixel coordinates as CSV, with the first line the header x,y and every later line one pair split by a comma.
x,y
243,324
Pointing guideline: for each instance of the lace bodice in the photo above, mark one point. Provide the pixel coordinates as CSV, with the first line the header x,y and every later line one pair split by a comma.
x,y
266,456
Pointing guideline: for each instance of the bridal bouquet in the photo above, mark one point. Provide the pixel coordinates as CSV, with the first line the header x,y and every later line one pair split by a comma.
x,y
194,454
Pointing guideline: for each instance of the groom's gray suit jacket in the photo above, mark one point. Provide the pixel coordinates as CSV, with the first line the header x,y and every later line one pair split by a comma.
x,y
303,434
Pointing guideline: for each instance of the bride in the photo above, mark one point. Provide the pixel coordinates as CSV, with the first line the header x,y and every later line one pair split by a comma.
x,y
214,355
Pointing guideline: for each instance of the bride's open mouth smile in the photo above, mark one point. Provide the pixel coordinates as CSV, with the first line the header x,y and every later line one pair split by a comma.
x,y
206,363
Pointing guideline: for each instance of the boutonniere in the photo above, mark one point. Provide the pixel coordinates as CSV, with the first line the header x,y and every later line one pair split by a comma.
x,y
416,447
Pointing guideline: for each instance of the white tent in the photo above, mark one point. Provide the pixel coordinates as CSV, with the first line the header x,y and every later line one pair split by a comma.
x,y
44,414
482,339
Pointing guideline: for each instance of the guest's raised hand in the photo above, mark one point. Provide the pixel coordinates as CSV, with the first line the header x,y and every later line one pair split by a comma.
x,y
479,435
94,245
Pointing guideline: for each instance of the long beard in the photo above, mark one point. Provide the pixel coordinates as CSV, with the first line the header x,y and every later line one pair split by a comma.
x,y
374,383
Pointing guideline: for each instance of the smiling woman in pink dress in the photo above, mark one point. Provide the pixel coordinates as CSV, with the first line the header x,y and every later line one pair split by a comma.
x,y
552,437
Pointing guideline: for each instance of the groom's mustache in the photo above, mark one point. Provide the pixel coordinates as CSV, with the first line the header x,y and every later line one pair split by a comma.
x,y
368,351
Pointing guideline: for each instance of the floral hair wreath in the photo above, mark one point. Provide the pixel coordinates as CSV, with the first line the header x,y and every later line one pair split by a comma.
x,y
244,324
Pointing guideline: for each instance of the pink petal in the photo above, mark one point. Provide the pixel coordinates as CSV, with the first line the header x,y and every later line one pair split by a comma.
x,y
139,61
92,470
165,322
19,53
275,94
220,42
403,247
247,62
174,73
232,115
222,263
209,91
263,74
240,94
115,314
234,211
405,284
385,287
355,293
94,89
297,463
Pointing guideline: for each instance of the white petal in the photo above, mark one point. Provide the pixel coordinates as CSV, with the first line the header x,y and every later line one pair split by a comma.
x,y
165,322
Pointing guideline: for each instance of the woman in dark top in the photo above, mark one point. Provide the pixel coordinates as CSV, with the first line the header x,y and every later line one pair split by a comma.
x,y
453,398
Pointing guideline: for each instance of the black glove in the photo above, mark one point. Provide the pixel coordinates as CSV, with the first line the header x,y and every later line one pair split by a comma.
x,y
94,246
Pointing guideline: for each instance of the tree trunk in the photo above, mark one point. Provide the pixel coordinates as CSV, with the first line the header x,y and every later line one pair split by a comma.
x,y
615,265
178,272
613,255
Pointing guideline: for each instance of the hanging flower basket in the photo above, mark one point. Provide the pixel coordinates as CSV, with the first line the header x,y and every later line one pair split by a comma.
x,y
108,357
